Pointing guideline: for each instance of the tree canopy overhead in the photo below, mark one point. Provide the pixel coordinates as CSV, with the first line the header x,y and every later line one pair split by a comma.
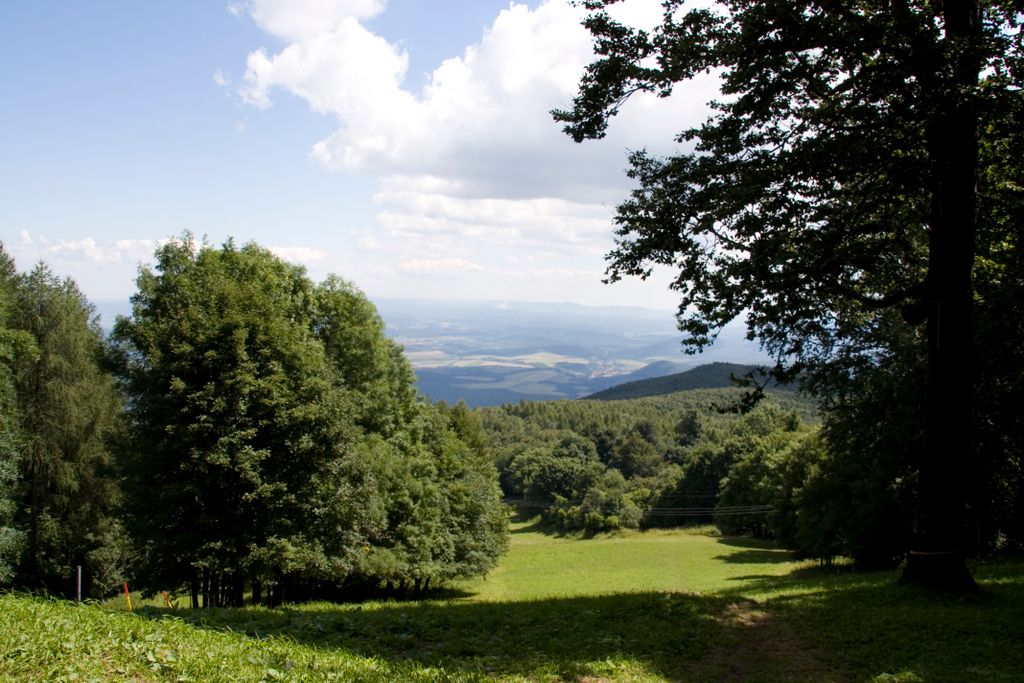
x,y
832,197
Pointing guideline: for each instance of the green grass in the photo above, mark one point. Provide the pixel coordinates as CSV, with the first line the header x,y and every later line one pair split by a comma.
x,y
694,561
657,606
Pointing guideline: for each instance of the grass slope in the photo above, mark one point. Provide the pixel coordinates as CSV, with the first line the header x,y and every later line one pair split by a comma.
x,y
694,561
657,606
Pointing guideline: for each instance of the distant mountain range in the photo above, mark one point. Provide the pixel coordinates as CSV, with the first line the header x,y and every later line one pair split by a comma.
x,y
710,376
494,352
489,353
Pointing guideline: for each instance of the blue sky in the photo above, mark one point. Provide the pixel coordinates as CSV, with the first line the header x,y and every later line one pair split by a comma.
x,y
402,144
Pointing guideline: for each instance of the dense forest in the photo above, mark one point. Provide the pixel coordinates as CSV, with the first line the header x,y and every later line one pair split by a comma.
x,y
835,484
244,430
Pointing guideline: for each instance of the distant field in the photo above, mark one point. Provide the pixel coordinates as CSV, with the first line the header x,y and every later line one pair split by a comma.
x,y
656,606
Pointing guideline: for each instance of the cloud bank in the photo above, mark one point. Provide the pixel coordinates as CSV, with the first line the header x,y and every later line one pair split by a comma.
x,y
472,161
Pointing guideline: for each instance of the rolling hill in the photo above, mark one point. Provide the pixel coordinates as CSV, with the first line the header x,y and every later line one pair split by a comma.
x,y
709,376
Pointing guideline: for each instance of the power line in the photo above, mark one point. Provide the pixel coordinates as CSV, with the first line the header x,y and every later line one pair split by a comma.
x,y
690,511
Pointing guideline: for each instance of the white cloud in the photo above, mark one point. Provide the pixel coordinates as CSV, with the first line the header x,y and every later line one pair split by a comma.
x,y
299,254
298,19
472,168
221,78
557,273
85,249
103,268
136,251
482,120
441,266
368,243
31,248
498,222
348,71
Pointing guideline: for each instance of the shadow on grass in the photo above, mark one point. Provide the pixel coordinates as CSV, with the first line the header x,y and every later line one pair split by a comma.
x,y
536,526
568,638
800,579
756,557
824,626
751,551
526,519
751,543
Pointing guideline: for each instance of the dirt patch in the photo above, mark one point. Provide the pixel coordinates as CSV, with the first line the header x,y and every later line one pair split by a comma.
x,y
745,613
758,646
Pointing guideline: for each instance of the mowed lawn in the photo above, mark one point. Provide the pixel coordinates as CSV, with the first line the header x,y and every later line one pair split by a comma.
x,y
654,606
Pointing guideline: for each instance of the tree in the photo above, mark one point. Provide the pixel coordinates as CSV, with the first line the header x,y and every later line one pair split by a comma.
x,y
476,517
831,199
277,439
997,500
68,408
367,362
233,417
13,345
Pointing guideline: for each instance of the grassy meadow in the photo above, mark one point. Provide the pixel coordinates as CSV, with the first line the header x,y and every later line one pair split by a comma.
x,y
654,606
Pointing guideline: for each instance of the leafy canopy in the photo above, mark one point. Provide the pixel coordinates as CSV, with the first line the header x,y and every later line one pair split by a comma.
x,y
840,175
805,201
277,437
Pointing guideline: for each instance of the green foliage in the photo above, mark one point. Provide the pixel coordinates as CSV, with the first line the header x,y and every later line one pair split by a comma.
x,y
277,439
231,409
605,506
659,461
759,478
855,163
997,479
475,516
755,222
366,362
11,438
67,410
872,465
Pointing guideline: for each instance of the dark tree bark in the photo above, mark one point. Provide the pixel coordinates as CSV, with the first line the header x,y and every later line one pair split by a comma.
x,y
938,554
193,585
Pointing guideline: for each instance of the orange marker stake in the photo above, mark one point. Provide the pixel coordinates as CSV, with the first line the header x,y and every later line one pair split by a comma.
x,y
166,599
127,596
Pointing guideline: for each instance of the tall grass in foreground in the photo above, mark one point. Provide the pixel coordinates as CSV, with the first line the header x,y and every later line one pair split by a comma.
x,y
677,606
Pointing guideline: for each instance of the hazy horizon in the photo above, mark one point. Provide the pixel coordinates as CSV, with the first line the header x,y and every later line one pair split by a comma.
x,y
405,146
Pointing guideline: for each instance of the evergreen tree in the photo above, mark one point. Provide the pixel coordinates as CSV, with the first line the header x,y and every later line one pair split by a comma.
x,y
12,345
68,407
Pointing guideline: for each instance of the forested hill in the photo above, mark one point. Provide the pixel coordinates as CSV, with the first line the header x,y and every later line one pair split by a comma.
x,y
709,376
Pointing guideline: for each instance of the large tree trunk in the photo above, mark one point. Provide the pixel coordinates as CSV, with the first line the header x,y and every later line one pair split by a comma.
x,y
193,585
938,556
